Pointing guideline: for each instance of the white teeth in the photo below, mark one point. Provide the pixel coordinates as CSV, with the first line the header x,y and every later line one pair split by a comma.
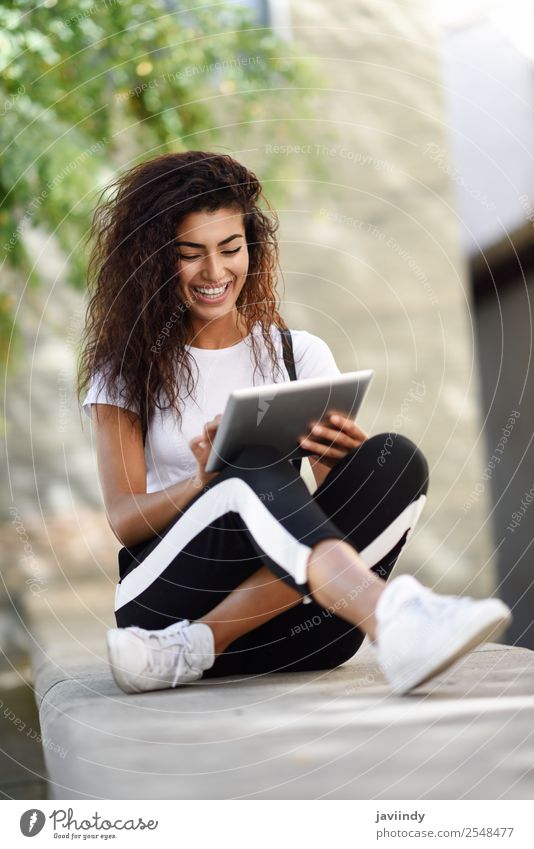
x,y
212,292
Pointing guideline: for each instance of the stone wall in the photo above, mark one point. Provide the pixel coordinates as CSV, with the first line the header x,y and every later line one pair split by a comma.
x,y
372,261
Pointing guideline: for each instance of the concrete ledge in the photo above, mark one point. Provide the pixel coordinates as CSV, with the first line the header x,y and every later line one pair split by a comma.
x,y
328,734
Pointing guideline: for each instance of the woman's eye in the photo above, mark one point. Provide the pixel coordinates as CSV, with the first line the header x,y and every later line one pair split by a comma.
x,y
196,256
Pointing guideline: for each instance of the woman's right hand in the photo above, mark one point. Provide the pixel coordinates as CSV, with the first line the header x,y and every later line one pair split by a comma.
x,y
201,448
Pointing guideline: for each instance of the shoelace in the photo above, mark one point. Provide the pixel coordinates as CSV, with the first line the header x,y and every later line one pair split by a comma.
x,y
161,655
435,603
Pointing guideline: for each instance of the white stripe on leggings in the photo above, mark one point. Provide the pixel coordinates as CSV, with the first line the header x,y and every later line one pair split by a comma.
x,y
390,536
233,494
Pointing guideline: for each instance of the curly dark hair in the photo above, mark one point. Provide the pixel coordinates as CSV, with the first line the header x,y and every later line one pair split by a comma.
x,y
133,275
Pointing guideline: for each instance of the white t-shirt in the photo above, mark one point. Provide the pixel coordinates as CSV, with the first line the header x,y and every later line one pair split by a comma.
x,y
168,456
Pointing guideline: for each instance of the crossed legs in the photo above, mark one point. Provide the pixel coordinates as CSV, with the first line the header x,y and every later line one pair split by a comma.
x,y
389,491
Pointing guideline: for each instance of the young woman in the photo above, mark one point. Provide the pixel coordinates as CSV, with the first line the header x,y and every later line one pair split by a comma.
x,y
241,571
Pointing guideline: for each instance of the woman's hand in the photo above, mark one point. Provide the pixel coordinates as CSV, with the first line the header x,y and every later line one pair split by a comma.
x,y
332,441
201,448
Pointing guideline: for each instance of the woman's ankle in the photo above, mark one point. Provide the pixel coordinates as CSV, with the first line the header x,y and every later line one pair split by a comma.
x,y
338,578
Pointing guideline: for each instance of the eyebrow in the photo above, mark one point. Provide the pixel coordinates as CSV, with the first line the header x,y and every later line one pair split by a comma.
x,y
224,241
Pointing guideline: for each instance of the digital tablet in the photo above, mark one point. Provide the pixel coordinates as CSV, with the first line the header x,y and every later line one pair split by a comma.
x,y
278,413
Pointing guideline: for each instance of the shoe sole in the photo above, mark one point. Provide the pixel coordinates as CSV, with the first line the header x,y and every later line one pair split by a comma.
x,y
112,647
493,627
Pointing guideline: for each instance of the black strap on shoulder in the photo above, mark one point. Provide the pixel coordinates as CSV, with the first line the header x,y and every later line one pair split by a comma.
x,y
289,360
287,348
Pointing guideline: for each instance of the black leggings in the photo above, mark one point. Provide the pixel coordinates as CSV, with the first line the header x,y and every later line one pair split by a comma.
x,y
259,511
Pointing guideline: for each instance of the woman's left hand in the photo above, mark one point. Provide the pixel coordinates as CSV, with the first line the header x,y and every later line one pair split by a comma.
x,y
332,441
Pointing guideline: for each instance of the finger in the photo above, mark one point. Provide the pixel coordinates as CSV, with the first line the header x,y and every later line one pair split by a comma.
x,y
352,430
323,450
209,429
348,425
342,420
334,437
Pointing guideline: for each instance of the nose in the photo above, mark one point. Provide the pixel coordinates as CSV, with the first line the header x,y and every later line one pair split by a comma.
x,y
213,268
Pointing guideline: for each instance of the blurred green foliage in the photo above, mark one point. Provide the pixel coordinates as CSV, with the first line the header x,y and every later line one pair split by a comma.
x,y
87,88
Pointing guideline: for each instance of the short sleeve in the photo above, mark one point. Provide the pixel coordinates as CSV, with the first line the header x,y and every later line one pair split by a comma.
x,y
99,393
313,357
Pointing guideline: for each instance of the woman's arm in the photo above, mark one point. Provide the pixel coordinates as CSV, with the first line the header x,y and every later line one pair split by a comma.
x,y
133,514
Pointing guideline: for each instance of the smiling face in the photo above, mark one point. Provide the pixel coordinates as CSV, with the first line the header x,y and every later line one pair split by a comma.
x,y
212,263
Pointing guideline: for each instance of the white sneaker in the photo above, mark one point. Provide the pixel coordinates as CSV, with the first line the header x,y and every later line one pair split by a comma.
x,y
420,633
154,660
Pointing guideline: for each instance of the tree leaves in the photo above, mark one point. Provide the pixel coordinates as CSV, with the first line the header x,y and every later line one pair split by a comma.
x,y
88,87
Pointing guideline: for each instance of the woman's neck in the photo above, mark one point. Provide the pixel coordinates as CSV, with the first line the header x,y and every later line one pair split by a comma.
x,y
215,335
